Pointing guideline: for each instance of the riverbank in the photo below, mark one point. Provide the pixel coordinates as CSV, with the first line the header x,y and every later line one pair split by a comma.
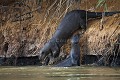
x,y
113,61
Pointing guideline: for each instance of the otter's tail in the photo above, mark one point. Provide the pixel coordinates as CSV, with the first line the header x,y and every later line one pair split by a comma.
x,y
99,14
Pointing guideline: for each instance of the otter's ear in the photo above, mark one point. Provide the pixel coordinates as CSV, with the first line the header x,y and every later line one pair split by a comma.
x,y
75,38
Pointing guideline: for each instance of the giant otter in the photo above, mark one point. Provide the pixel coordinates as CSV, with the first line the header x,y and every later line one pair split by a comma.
x,y
74,58
75,50
74,20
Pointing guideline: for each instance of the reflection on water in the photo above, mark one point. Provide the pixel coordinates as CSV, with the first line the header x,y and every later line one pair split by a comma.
x,y
56,73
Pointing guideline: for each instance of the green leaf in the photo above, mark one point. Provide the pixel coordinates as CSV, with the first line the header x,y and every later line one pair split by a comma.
x,y
99,3
105,7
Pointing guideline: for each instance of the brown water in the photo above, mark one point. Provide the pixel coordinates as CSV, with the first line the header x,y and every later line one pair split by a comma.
x,y
56,73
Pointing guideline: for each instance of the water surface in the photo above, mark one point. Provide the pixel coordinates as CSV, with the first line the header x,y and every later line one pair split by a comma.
x,y
59,73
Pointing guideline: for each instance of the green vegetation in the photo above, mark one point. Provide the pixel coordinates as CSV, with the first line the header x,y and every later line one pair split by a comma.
x,y
102,3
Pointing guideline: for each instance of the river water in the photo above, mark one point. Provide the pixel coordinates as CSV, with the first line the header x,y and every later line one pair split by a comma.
x,y
59,73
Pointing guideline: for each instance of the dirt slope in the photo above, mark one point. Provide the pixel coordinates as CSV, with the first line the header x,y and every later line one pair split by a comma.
x,y
28,36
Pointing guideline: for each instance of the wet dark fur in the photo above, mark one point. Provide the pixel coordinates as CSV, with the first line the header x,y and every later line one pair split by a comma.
x,y
74,58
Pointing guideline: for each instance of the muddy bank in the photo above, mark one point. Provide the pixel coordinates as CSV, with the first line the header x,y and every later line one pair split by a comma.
x,y
87,60
20,61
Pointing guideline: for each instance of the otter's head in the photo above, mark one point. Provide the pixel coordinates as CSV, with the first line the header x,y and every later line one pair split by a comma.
x,y
49,48
45,51
75,39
